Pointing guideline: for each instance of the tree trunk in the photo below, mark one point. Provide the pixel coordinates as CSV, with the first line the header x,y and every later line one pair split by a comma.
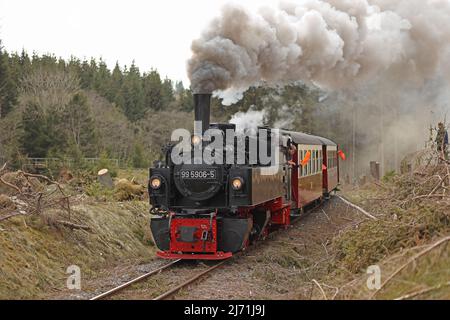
x,y
105,179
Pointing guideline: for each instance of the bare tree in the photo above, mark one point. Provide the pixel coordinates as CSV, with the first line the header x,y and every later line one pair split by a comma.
x,y
50,88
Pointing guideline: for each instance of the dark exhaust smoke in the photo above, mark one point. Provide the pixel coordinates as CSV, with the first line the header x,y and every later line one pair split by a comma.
x,y
202,109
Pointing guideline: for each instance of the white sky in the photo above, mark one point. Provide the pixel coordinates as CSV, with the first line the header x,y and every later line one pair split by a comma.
x,y
154,33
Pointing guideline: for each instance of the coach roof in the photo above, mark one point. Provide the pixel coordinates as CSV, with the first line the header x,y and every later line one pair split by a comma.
x,y
303,138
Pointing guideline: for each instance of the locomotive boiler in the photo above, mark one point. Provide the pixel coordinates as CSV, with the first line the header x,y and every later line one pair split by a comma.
x,y
212,209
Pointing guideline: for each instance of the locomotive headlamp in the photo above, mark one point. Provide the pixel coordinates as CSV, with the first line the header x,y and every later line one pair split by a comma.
x,y
196,140
155,183
237,183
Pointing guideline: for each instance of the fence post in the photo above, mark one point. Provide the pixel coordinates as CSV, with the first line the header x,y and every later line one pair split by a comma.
x,y
375,170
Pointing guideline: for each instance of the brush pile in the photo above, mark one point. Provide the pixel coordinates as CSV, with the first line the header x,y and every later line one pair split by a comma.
x,y
24,194
126,190
411,209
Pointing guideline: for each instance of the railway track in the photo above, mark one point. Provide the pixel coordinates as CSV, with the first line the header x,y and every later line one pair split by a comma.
x,y
171,292
166,294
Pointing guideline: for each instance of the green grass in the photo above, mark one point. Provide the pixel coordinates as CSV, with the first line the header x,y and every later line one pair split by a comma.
x,y
35,256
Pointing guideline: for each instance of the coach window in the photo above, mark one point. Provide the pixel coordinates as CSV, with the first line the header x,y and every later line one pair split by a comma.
x,y
320,158
318,162
308,168
334,159
330,158
300,158
310,163
313,162
300,168
300,154
305,168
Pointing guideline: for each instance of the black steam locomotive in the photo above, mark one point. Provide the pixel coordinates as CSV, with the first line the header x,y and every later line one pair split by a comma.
x,y
206,210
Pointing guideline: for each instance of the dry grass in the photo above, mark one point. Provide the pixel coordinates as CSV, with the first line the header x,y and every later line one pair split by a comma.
x,y
126,190
34,255
413,211
38,248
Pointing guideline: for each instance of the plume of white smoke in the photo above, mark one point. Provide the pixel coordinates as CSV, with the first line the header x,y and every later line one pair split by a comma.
x,y
334,44
248,122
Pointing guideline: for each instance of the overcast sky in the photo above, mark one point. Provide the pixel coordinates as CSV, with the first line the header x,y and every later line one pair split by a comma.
x,y
154,33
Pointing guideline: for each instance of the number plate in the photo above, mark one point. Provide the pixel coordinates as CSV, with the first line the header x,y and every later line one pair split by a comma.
x,y
209,174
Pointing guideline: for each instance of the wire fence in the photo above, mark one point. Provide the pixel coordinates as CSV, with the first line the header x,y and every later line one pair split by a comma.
x,y
68,162
46,162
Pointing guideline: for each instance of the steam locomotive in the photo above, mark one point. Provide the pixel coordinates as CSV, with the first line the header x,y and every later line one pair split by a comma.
x,y
205,210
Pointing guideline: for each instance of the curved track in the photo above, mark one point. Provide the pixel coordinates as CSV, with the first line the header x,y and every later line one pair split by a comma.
x,y
138,279
191,280
166,294
171,292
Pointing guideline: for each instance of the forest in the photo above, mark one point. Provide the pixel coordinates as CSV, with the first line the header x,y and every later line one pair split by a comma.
x,y
56,108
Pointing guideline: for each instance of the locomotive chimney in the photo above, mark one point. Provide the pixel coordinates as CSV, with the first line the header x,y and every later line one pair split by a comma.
x,y
202,110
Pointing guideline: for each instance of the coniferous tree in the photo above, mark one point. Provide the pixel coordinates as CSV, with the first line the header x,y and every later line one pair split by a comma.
x,y
167,93
8,89
102,79
153,89
114,92
133,95
186,102
36,140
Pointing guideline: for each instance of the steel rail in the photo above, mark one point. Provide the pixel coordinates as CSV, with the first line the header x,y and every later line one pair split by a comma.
x,y
201,274
188,282
129,283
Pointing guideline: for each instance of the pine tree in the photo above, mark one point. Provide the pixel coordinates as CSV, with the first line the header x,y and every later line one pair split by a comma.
x,y
186,101
102,79
35,140
167,93
115,89
8,87
133,94
153,90
88,70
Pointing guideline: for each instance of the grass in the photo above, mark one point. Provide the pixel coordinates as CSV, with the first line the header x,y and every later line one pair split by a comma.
x,y
408,221
34,256
36,253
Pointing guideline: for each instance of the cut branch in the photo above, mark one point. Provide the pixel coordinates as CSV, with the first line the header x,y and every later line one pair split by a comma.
x,y
73,225
13,214
354,206
417,256
423,291
320,288
9,185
